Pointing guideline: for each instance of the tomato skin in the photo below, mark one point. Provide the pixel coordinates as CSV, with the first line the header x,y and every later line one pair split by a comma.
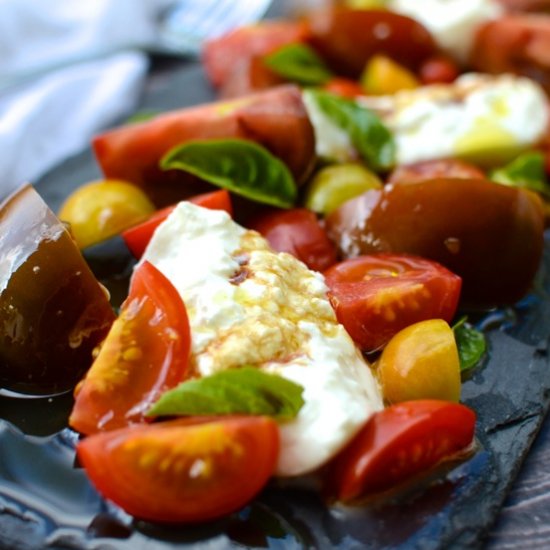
x,y
430,169
249,75
221,56
347,38
438,70
398,443
376,296
276,119
344,87
516,43
491,235
145,353
298,232
183,471
137,238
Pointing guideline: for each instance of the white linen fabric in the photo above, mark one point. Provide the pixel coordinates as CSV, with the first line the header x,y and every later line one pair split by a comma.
x,y
68,68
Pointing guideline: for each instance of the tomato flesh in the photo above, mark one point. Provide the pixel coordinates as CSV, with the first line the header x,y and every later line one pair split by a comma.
x,y
145,353
378,295
299,233
137,238
181,471
430,169
398,443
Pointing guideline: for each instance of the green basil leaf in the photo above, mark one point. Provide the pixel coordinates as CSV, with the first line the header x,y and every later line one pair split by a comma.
x,y
526,171
241,166
299,63
246,391
471,344
369,136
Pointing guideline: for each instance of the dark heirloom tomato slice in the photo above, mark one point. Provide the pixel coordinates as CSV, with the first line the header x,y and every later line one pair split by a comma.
x,y
222,56
399,443
181,471
53,311
137,238
347,38
489,234
276,119
299,233
376,296
145,353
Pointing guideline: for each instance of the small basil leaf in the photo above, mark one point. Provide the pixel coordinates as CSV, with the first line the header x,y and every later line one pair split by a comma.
x,y
373,141
471,344
247,391
298,63
526,171
241,166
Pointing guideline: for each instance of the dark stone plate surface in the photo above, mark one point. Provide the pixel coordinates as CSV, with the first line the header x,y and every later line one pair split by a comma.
x,y
45,502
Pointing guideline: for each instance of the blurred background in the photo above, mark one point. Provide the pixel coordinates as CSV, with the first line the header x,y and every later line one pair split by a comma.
x,y
68,69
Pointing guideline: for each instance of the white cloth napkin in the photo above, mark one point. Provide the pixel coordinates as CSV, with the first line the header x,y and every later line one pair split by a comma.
x,y
68,68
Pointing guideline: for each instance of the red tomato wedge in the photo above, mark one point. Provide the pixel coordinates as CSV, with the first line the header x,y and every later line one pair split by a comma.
x,y
137,238
183,470
398,443
145,353
344,87
430,169
298,232
221,56
376,296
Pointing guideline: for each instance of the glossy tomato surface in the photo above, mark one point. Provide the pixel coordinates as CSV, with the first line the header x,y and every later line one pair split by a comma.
x,y
137,238
184,470
145,353
347,38
276,119
376,296
430,169
53,311
400,442
489,234
298,232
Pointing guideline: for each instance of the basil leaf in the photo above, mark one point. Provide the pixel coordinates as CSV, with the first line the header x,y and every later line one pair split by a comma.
x,y
242,166
369,136
298,63
526,171
246,390
471,344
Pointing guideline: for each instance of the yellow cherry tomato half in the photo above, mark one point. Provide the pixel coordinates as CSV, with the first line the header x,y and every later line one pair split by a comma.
x,y
101,209
384,76
421,362
335,184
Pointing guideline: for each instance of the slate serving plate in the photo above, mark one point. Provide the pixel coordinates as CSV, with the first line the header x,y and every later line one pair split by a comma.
x,y
47,502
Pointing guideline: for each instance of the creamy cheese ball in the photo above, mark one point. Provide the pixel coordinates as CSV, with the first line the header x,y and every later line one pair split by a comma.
x,y
249,305
480,118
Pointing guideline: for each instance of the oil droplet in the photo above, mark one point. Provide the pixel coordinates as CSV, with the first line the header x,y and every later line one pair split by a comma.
x,y
36,269
452,244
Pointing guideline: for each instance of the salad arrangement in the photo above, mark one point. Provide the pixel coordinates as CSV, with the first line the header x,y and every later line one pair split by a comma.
x,y
271,368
